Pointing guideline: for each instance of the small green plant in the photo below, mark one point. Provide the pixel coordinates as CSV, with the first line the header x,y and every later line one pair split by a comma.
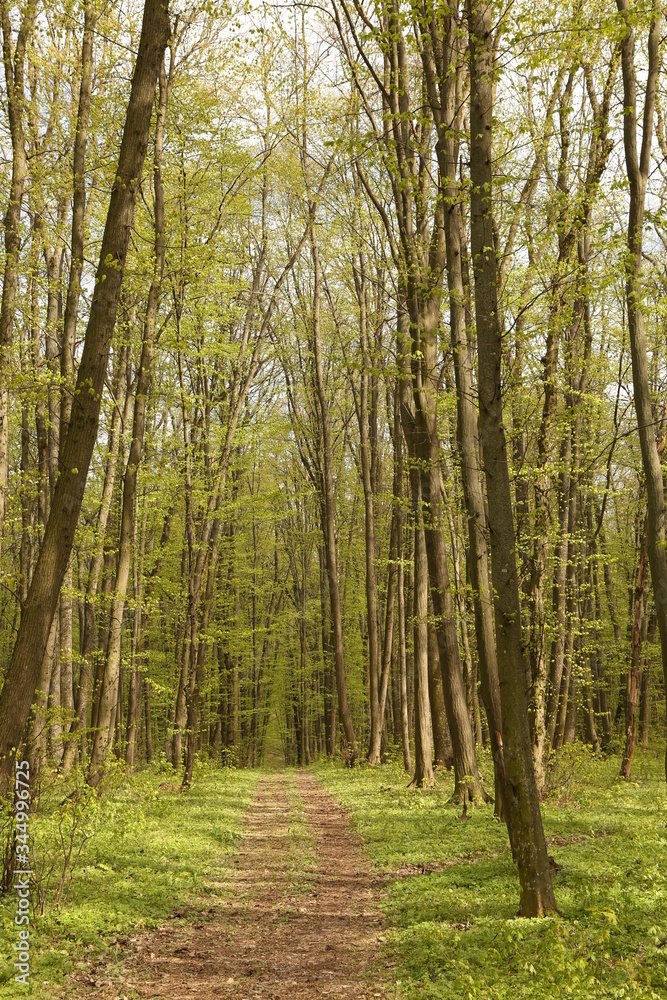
x,y
58,835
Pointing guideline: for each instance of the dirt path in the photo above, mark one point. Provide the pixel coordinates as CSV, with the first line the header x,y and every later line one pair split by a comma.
x,y
301,921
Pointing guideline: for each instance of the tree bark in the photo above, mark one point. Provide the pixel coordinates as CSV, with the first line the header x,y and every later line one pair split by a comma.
x,y
442,742
366,440
423,776
522,801
330,516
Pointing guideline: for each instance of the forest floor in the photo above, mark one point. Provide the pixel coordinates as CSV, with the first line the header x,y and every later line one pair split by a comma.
x,y
331,882
301,921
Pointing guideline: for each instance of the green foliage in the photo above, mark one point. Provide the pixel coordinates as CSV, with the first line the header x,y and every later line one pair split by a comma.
x,y
452,901
147,851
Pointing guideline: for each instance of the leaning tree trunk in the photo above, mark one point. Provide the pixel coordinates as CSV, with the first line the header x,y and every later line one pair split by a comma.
x,y
522,801
56,546
110,682
638,166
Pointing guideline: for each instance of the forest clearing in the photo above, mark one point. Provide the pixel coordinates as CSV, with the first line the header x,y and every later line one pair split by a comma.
x,y
333,540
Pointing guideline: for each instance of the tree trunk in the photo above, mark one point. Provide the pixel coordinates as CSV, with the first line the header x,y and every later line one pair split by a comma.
x,y
423,776
442,741
330,516
89,632
522,801
632,684
198,655
66,653
402,655
638,167
14,63
645,686
366,460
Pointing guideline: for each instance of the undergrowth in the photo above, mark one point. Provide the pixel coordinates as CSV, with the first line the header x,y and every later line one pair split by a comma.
x,y
114,864
451,907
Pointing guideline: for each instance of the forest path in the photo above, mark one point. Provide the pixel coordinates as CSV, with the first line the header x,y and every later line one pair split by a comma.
x,y
301,918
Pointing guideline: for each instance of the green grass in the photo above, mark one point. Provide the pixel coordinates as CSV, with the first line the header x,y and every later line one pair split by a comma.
x,y
152,852
453,933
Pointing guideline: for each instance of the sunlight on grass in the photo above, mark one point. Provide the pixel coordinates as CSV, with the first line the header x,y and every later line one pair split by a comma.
x,y
154,853
453,932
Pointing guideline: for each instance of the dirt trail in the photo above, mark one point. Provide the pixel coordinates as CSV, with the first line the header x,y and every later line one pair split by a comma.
x,y
301,921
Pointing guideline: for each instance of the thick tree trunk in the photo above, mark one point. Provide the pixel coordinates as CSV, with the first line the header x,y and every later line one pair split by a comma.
x,y
522,800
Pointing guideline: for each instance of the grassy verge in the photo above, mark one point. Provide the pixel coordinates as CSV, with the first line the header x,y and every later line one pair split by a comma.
x,y
451,906
147,852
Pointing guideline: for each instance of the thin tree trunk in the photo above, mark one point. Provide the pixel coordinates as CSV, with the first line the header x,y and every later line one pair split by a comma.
x,y
14,63
632,684
402,657
645,686
330,517
66,652
423,776
199,658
